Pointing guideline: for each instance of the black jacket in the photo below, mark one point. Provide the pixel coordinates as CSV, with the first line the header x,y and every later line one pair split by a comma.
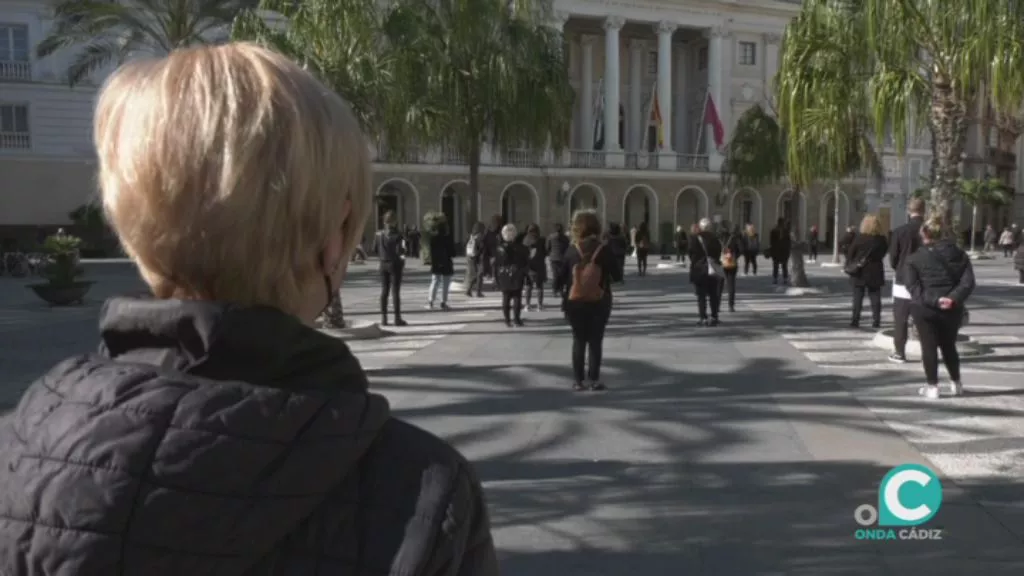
x,y
605,259
389,246
536,249
511,262
906,239
779,243
1018,258
680,239
871,250
442,250
557,245
207,439
937,271
698,257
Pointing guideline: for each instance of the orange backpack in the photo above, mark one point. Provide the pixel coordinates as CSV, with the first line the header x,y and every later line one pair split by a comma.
x,y
586,279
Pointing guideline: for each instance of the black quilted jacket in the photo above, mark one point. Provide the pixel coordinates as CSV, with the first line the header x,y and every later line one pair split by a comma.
x,y
208,439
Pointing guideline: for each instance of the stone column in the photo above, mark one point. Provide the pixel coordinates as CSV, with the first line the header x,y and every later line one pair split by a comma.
x,y
636,121
665,31
587,93
612,82
771,64
719,81
682,105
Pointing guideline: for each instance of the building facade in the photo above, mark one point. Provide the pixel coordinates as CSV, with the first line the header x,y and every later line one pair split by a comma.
x,y
621,54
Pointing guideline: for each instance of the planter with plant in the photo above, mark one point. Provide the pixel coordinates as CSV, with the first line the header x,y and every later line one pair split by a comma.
x,y
62,270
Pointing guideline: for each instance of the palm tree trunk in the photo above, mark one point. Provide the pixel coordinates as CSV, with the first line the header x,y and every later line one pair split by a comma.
x,y
334,315
948,119
474,172
797,270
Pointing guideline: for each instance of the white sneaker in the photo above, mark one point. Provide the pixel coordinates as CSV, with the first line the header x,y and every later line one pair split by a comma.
x,y
929,392
956,389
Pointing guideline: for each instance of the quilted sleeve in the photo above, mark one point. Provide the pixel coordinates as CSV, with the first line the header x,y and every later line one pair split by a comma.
x,y
465,547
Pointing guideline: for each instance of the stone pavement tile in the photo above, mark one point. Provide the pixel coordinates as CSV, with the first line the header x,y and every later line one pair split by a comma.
x,y
945,565
968,531
789,560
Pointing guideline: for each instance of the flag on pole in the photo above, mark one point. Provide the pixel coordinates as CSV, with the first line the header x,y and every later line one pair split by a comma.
x,y
711,117
599,116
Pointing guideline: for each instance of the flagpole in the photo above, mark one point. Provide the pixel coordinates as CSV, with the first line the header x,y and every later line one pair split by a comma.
x,y
703,122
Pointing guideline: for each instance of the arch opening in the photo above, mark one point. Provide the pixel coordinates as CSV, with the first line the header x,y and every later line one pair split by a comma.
x,y
691,206
401,197
585,196
520,205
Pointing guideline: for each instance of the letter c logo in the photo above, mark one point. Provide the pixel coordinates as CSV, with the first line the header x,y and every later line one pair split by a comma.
x,y
896,509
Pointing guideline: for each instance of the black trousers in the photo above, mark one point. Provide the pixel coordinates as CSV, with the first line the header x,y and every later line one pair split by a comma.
x,y
709,289
938,331
1007,250
641,260
782,263
512,304
588,322
875,296
729,286
535,281
901,322
474,277
680,254
557,278
1020,276
391,283
814,251
749,261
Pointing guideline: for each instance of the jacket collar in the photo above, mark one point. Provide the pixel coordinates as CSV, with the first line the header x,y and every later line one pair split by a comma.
x,y
260,345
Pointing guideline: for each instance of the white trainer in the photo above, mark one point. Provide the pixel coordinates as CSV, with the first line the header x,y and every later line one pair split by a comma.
x,y
956,389
929,392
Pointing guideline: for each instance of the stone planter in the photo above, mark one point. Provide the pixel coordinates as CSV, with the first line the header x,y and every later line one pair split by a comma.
x,y
56,295
357,330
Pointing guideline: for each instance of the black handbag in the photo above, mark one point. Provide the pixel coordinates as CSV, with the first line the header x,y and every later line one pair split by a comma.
x,y
853,267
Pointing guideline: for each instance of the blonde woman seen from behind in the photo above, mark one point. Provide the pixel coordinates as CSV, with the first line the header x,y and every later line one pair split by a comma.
x,y
865,257
236,436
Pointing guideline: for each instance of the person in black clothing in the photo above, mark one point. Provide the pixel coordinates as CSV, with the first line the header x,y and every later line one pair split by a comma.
x,y
537,266
751,249
215,429
940,279
476,255
906,239
706,272
556,246
587,318
412,238
812,243
846,239
619,247
642,241
865,259
680,240
442,267
389,245
779,249
732,248
1018,263
511,263
492,239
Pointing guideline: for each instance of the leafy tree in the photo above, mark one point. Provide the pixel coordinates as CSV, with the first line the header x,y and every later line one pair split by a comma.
x,y
102,32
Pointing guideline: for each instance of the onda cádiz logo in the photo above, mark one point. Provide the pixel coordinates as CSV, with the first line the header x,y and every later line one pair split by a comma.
x,y
909,496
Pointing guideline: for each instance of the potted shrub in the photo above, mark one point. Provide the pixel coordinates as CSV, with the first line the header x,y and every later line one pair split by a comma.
x,y
62,270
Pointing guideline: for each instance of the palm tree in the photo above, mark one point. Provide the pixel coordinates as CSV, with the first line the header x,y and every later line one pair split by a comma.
x,y
104,32
346,44
982,192
827,117
494,71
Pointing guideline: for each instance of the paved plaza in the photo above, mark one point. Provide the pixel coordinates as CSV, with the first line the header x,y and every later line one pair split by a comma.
x,y
738,450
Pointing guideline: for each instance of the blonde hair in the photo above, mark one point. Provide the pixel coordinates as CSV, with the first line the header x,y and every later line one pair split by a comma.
x,y
871,226
704,224
932,229
508,232
751,230
585,223
225,169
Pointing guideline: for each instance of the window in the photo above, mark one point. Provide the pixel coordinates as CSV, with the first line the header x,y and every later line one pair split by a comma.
x,y
14,127
748,211
748,53
652,63
14,54
702,58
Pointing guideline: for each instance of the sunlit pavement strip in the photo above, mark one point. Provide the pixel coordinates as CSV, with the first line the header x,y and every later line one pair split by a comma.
x,y
407,340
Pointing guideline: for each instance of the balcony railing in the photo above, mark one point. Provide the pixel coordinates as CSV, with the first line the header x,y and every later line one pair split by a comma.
x,y
15,141
12,70
548,159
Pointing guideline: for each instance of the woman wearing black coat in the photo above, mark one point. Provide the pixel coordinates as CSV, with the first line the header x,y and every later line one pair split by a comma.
x,y
511,261
442,251
706,272
537,269
865,265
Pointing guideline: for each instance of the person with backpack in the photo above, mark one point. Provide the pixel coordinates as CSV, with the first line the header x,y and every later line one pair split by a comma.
x,y
587,298
557,245
511,261
940,279
751,249
442,267
706,273
390,247
475,254
642,242
536,272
